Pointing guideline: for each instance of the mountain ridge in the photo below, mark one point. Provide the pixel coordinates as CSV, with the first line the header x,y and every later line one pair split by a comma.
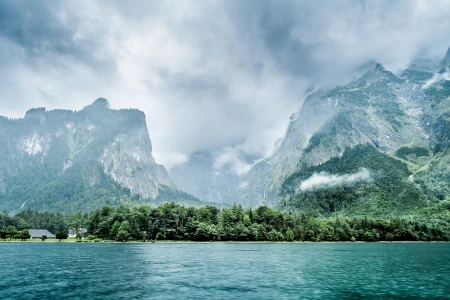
x,y
404,117
381,109
96,150
387,111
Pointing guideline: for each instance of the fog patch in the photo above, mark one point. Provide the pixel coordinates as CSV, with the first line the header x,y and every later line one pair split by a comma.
x,y
323,179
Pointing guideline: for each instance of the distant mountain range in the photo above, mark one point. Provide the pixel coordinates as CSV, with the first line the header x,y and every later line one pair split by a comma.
x,y
378,146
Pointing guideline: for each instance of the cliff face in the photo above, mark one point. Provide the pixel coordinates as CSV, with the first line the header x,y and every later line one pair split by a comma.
x,y
73,160
400,113
380,109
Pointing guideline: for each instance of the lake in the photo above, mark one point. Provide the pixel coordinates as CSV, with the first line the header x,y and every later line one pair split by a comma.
x,y
224,271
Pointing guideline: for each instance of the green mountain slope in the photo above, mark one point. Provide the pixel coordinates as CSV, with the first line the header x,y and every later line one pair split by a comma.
x,y
387,191
379,109
401,119
65,161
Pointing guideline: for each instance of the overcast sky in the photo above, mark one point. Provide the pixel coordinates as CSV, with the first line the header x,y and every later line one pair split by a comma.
x,y
218,76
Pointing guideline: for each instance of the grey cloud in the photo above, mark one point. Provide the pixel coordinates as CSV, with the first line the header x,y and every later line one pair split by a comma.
x,y
326,40
193,88
273,22
48,32
215,76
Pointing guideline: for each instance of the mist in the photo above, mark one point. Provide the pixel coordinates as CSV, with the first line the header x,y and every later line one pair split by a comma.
x,y
325,180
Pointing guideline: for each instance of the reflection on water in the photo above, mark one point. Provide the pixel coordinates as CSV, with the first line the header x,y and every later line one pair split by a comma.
x,y
224,271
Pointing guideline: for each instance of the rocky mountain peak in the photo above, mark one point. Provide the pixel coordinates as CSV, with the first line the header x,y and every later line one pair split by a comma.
x,y
106,152
35,112
446,61
376,71
100,103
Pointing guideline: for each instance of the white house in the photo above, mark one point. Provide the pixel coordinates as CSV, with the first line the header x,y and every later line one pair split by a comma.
x,y
73,233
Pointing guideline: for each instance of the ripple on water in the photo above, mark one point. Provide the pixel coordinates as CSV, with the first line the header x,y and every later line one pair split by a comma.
x,y
224,271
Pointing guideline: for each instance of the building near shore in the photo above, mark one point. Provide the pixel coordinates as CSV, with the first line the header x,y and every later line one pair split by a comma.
x,y
73,233
38,233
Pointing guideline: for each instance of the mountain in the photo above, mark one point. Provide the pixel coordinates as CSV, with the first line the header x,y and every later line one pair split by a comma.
x,y
62,160
377,146
199,177
403,117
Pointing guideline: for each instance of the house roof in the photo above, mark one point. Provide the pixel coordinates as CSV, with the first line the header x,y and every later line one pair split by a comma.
x,y
37,233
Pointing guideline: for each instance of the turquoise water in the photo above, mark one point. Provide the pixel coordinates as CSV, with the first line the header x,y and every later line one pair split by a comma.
x,y
224,271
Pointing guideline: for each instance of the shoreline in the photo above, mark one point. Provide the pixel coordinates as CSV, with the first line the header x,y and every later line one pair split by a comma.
x,y
52,241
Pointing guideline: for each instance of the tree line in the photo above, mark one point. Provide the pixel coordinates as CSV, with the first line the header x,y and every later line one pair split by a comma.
x,y
170,221
12,233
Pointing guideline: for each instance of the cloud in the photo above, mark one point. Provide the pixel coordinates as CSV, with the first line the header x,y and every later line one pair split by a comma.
x,y
325,180
215,76
173,159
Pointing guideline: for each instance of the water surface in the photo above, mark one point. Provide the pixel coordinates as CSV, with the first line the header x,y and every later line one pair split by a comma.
x,y
224,271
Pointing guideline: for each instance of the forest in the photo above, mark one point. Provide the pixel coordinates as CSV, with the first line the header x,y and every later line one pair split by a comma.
x,y
389,193
174,222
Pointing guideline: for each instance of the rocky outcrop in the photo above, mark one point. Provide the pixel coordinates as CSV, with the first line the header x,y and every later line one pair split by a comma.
x,y
86,148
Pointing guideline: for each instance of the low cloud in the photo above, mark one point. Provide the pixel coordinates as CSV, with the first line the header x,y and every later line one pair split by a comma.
x,y
323,179
171,159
